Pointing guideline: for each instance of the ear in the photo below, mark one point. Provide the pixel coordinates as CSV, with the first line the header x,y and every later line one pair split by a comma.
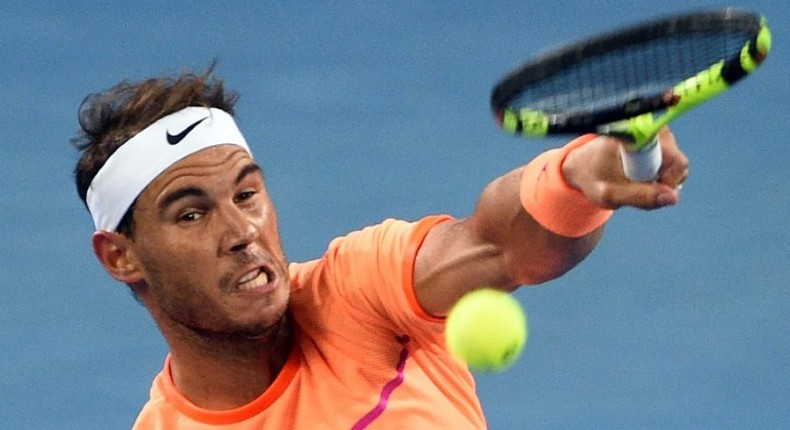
x,y
116,253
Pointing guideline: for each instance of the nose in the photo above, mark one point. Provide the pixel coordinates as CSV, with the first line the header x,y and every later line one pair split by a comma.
x,y
239,230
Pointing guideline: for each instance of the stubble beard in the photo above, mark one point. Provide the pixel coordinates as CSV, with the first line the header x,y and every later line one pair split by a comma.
x,y
196,316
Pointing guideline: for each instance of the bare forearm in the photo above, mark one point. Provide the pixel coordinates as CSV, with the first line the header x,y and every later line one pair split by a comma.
x,y
499,245
535,223
531,254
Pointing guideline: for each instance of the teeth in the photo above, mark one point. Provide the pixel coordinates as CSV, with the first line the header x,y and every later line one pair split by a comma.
x,y
250,276
254,279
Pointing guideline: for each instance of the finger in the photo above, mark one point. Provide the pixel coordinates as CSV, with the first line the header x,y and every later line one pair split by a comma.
x,y
675,167
640,195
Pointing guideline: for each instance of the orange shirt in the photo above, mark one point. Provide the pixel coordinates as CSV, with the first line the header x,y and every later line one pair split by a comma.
x,y
366,355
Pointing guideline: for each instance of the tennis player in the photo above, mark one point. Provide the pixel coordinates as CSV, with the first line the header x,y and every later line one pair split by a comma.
x,y
352,339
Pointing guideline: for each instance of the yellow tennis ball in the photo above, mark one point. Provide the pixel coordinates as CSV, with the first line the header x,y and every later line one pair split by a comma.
x,y
486,329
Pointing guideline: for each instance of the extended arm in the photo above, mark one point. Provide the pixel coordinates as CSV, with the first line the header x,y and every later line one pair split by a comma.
x,y
502,245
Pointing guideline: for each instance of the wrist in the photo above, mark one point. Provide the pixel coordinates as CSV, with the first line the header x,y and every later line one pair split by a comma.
x,y
569,165
549,195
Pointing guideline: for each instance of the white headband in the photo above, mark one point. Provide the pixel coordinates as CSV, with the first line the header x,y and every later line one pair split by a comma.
x,y
136,163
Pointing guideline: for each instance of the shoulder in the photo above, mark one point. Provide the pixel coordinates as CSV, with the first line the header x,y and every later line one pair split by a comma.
x,y
383,250
366,275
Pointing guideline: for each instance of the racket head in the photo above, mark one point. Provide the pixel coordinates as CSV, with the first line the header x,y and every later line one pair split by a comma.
x,y
628,72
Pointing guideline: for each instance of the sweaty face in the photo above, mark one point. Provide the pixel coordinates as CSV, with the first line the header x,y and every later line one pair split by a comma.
x,y
206,237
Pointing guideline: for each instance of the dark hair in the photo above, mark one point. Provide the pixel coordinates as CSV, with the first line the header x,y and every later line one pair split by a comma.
x,y
110,118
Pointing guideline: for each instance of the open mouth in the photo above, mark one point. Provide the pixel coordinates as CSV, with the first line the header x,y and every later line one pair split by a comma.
x,y
256,278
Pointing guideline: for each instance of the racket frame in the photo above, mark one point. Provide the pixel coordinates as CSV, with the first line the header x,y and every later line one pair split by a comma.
x,y
635,120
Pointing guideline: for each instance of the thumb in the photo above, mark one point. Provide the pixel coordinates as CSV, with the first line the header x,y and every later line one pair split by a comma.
x,y
644,195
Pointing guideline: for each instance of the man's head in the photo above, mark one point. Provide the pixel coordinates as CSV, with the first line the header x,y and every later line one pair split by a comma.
x,y
111,118
181,210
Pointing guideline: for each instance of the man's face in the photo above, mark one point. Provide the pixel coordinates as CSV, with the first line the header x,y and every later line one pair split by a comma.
x,y
206,237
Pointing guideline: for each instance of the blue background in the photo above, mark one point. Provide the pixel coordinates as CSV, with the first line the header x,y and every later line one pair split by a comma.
x,y
363,110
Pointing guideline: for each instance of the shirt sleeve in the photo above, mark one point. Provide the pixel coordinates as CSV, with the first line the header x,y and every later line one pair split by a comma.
x,y
373,271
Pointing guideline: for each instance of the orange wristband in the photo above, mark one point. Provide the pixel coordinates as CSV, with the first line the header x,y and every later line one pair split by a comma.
x,y
552,202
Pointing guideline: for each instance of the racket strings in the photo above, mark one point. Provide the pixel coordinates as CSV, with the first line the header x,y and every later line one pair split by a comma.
x,y
613,77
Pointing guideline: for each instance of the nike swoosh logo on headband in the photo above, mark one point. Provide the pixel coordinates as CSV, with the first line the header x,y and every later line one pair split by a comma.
x,y
174,139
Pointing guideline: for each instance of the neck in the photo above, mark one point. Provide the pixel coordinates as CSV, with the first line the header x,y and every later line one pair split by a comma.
x,y
227,372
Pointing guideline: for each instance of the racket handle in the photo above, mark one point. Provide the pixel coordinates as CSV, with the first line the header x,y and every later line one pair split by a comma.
x,y
642,165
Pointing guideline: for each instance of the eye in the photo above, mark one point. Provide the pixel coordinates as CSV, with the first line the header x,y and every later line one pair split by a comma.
x,y
245,195
190,216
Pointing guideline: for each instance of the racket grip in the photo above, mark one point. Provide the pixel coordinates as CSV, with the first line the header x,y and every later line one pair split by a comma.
x,y
642,165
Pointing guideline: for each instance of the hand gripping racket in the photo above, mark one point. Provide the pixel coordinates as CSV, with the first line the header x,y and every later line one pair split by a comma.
x,y
631,82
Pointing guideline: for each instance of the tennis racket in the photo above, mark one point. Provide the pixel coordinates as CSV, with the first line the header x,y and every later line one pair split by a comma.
x,y
631,82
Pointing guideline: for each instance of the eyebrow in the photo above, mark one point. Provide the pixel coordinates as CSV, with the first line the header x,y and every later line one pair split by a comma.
x,y
179,194
182,193
248,170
